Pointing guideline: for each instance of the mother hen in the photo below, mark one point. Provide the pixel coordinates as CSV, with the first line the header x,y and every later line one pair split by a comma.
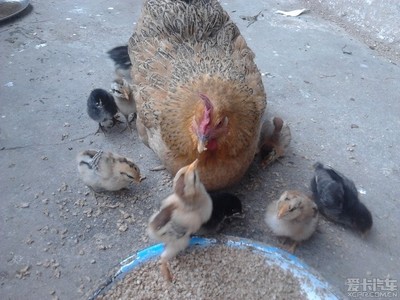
x,y
197,89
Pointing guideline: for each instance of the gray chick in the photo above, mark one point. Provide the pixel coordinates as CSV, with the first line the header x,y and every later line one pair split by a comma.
x,y
122,62
337,199
225,207
101,108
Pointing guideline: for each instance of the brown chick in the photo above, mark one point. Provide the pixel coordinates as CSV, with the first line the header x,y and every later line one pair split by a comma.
x,y
181,215
274,140
198,91
106,171
294,216
123,96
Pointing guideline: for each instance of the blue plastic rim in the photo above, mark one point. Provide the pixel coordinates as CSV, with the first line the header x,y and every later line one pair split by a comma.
x,y
312,284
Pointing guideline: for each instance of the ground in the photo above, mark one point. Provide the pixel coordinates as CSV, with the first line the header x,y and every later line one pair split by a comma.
x,y
58,241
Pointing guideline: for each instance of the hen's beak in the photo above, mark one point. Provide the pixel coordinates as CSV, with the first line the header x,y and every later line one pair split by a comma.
x,y
192,166
282,210
202,145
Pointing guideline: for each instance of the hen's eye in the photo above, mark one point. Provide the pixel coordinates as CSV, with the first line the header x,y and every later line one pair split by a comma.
x,y
220,123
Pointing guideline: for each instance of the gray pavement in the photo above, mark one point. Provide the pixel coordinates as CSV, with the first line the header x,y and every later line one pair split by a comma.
x,y
58,241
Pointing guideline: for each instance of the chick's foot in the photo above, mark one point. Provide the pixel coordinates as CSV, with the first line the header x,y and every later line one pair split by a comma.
x,y
165,271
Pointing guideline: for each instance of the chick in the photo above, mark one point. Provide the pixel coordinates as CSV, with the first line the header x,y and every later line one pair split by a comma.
x,y
122,61
337,199
274,142
123,95
181,215
294,216
101,107
225,206
106,171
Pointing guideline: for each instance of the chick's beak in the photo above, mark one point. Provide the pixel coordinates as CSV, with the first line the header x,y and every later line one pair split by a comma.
x,y
192,166
282,210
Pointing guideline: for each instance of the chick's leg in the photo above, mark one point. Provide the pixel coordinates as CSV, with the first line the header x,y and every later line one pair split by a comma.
x,y
171,250
123,95
165,270
275,138
101,129
293,247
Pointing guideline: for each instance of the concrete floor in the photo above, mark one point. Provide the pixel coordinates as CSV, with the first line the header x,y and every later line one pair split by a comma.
x,y
59,242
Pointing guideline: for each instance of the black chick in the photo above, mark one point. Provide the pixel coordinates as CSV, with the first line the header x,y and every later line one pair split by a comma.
x,y
225,206
337,199
122,61
101,107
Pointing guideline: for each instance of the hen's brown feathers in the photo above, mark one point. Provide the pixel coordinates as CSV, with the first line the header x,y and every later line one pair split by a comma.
x,y
178,51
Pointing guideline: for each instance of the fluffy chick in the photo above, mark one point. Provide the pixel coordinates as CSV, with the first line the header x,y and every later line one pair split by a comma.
x,y
337,199
294,215
122,61
181,215
274,140
225,206
123,95
101,108
106,171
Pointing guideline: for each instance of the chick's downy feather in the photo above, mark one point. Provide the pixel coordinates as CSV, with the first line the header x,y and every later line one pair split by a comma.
x,y
196,88
101,107
106,171
224,206
294,215
337,198
181,214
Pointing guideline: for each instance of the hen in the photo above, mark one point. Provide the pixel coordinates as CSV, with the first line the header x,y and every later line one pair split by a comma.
x,y
181,215
197,89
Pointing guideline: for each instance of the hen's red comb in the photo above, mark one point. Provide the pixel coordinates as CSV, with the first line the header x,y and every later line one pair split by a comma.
x,y
205,121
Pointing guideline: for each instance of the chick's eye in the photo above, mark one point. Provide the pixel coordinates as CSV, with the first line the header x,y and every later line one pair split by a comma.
x,y
123,173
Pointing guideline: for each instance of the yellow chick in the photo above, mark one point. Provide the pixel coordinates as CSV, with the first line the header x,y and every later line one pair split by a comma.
x,y
106,171
294,216
181,215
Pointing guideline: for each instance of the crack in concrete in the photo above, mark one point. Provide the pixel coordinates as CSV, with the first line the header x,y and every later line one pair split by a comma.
x,y
41,145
